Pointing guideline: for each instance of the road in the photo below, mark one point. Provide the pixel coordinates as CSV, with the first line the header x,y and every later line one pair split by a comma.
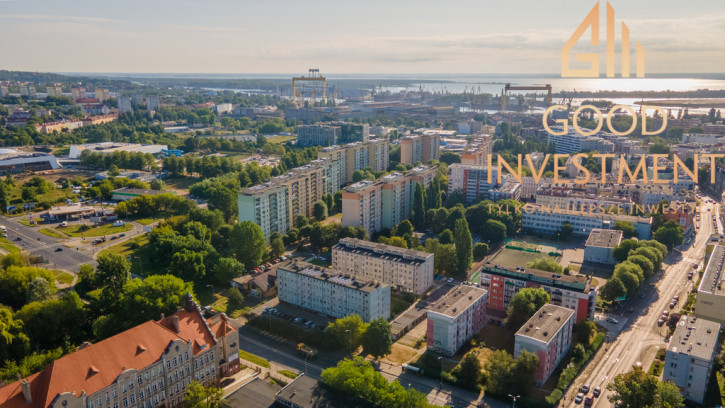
x,y
43,245
284,353
636,338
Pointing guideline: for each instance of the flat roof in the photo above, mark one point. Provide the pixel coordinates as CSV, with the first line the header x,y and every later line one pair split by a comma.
x,y
604,238
254,394
713,278
306,392
330,275
458,300
695,337
568,282
545,323
378,250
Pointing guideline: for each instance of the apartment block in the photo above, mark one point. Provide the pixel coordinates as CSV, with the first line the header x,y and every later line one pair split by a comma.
x,y
332,293
570,291
476,153
546,219
420,148
404,269
456,318
275,204
690,356
710,303
385,202
547,334
357,156
472,181
573,142
147,366
600,245
332,133
565,198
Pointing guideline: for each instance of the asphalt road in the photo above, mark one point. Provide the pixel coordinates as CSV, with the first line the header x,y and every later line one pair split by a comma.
x,y
639,337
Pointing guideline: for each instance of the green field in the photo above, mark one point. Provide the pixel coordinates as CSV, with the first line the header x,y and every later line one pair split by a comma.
x,y
63,277
107,229
254,359
8,246
513,257
52,233
280,139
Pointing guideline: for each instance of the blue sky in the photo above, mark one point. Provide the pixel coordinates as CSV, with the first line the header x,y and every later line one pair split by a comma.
x,y
342,36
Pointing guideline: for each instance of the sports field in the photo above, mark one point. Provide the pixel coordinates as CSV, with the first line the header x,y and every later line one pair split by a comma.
x,y
520,257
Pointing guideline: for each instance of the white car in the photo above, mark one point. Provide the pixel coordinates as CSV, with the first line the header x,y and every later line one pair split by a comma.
x,y
450,280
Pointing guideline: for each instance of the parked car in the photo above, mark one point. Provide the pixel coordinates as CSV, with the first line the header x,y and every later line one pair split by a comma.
x,y
450,280
689,276
58,249
579,398
597,392
585,388
611,320
588,401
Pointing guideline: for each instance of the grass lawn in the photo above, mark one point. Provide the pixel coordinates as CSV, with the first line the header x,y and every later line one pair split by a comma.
x,y
180,183
28,224
147,221
64,277
497,338
136,251
254,359
8,246
107,229
513,257
400,354
280,139
288,374
52,233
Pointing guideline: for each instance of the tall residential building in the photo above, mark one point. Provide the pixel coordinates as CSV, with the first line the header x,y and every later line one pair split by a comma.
x,y
267,206
78,93
353,132
420,148
547,334
54,90
545,219
476,153
102,94
571,291
472,181
573,142
357,156
710,302
385,202
405,269
690,356
331,293
147,366
456,318
124,104
4,91
275,204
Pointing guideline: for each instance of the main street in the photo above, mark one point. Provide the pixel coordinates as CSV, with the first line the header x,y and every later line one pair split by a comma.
x,y
640,337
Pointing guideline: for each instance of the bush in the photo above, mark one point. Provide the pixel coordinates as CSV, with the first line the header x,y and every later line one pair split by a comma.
x,y
480,250
554,397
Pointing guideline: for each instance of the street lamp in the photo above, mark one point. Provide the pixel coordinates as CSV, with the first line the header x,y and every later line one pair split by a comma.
x,y
440,383
349,340
514,397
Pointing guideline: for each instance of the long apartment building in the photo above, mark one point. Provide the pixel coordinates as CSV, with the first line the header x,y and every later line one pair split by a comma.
x,y
275,205
573,142
404,269
710,302
375,205
147,366
570,291
472,181
567,199
691,355
476,152
456,318
330,292
547,219
359,155
547,334
420,148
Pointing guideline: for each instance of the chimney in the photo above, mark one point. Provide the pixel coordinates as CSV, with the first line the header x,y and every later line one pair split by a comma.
x,y
175,323
189,303
25,387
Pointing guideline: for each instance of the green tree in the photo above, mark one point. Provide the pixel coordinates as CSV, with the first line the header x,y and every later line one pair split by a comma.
x,y
565,231
480,250
320,211
405,227
500,367
419,206
433,195
464,246
114,271
621,251
468,371
613,289
301,221
524,304
14,281
651,253
188,265
644,263
14,343
227,269
446,237
546,264
670,234
38,290
346,333
113,171
248,243
277,246
28,193
198,396
157,184
637,389
53,322
377,340
494,231
235,300
627,229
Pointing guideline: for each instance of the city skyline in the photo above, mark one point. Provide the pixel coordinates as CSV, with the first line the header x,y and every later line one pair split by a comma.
x,y
401,37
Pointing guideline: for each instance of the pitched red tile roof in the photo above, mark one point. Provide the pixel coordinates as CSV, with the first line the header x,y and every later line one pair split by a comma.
x,y
191,327
220,326
93,367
